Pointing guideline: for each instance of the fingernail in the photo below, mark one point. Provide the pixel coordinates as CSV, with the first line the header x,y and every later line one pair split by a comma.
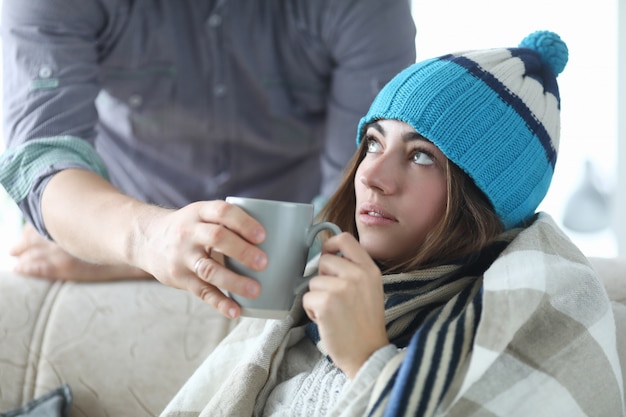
x,y
252,290
259,234
232,313
260,261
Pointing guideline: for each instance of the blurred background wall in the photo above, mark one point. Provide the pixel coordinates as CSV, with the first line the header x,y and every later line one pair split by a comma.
x,y
619,212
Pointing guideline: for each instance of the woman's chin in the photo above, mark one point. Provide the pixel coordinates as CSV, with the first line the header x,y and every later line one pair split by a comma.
x,y
378,252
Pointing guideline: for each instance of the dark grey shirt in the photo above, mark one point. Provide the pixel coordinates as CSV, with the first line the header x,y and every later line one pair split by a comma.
x,y
188,100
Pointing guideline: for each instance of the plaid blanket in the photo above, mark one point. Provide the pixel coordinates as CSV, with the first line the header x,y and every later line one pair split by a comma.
x,y
535,332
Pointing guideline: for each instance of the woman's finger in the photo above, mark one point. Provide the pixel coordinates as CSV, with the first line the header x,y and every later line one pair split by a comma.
x,y
332,265
348,246
353,257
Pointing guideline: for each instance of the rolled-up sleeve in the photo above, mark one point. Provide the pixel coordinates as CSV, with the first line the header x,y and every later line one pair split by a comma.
x,y
50,55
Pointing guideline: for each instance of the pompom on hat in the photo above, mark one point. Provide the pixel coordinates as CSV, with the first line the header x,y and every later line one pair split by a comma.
x,y
495,113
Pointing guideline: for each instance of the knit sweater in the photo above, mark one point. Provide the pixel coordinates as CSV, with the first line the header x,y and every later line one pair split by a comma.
x,y
311,384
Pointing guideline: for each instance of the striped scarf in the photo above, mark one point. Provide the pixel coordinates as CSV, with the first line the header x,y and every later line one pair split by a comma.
x,y
433,315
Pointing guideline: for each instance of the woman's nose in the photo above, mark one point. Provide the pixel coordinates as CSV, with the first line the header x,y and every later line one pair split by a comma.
x,y
380,174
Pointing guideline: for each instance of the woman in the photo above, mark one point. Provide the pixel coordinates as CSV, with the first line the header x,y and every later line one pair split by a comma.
x,y
452,296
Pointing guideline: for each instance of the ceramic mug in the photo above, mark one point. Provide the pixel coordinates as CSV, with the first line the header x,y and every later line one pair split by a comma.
x,y
290,233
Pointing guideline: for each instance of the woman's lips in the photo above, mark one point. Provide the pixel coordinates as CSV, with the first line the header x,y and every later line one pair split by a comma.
x,y
373,215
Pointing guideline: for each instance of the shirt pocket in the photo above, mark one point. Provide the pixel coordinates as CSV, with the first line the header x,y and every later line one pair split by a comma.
x,y
145,101
295,112
142,88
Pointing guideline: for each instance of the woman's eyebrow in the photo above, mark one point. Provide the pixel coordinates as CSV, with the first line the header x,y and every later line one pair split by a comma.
x,y
378,127
406,137
411,136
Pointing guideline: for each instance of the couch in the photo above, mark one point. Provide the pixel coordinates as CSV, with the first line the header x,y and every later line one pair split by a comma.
x,y
125,348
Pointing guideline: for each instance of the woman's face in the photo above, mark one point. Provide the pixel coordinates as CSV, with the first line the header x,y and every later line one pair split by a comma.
x,y
400,188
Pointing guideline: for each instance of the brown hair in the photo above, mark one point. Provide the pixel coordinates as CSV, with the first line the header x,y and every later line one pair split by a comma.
x,y
468,225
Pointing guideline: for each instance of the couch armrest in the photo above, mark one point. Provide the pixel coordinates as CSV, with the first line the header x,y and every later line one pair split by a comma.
x,y
612,272
124,348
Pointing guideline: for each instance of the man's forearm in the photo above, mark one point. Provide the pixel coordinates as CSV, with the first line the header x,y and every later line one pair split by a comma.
x,y
91,219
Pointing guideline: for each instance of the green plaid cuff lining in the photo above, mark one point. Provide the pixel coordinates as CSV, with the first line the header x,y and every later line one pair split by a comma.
x,y
23,166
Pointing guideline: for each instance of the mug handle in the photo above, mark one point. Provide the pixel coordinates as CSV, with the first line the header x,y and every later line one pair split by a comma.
x,y
312,233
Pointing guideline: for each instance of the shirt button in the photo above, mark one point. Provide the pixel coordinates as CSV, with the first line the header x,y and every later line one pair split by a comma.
x,y
215,20
219,90
135,100
45,72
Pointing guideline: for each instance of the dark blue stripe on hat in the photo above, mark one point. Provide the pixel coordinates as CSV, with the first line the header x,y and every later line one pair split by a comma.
x,y
535,68
510,99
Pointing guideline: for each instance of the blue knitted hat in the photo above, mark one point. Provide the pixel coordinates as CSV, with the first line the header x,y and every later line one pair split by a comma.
x,y
495,113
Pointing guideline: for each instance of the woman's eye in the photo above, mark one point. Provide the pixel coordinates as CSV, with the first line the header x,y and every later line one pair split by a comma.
x,y
372,144
422,158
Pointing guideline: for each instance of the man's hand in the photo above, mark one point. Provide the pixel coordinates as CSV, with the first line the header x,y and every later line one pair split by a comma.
x,y
184,249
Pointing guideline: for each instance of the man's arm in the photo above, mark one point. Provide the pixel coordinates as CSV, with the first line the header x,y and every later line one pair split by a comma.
x,y
50,55
53,172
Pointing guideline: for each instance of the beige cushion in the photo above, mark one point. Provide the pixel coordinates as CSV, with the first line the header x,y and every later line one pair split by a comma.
x,y
124,348
612,272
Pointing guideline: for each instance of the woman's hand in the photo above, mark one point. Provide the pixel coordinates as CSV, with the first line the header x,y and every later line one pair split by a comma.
x,y
37,256
346,301
185,249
